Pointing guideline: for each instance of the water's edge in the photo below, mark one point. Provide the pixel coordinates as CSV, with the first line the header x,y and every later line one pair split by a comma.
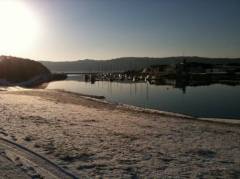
x,y
102,99
153,111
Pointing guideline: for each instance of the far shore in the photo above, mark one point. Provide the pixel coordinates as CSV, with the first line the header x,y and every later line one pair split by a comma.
x,y
90,137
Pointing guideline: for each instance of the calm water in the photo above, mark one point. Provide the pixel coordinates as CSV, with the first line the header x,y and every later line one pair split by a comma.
x,y
205,101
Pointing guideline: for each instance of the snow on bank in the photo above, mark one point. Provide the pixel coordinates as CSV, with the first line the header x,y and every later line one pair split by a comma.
x,y
102,99
222,120
13,88
91,138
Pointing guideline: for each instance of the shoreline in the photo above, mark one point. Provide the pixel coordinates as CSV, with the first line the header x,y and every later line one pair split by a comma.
x,y
102,99
132,107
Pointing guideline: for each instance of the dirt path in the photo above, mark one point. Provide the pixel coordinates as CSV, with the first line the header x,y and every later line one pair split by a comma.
x,y
8,170
96,139
20,162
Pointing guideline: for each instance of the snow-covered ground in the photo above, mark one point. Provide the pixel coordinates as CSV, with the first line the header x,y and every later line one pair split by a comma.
x,y
92,138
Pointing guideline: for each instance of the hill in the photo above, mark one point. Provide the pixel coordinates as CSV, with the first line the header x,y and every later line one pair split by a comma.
x,y
126,63
14,70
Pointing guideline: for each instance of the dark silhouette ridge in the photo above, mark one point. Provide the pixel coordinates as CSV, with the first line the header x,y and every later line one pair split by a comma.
x,y
14,69
23,72
127,63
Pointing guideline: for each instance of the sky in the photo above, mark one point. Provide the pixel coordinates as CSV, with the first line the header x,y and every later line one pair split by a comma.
x,y
105,29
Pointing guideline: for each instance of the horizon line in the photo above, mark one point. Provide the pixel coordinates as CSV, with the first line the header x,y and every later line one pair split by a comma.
x,y
109,59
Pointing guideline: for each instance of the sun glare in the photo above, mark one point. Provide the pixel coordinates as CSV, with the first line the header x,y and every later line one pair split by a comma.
x,y
19,27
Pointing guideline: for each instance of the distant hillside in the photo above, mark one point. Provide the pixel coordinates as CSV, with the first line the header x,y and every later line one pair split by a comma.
x,y
126,63
18,70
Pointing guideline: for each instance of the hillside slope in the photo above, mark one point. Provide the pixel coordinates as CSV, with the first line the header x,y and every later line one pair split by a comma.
x,y
17,70
125,63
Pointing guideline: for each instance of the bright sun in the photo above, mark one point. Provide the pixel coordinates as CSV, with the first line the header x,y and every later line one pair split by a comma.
x,y
19,27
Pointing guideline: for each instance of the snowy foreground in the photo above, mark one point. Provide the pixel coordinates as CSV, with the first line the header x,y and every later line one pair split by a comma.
x,y
92,138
